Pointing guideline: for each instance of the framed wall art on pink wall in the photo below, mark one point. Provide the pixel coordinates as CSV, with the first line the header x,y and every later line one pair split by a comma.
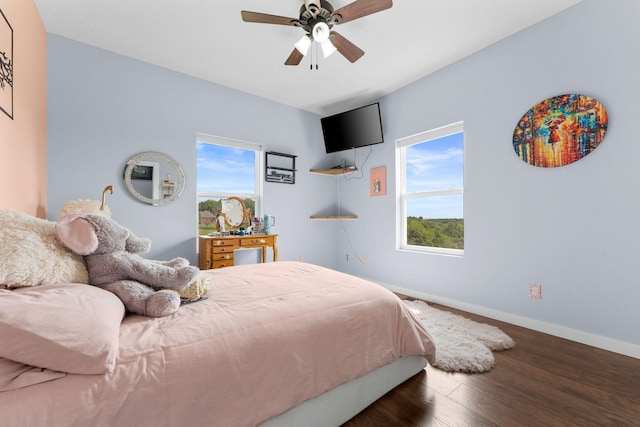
x,y
23,101
6,66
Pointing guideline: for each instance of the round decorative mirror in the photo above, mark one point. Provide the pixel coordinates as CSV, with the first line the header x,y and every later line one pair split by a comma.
x,y
234,211
154,178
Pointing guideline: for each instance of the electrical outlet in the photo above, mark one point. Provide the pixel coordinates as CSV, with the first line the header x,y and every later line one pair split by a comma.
x,y
301,258
365,260
535,291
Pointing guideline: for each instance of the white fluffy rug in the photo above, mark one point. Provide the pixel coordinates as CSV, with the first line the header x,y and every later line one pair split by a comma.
x,y
461,344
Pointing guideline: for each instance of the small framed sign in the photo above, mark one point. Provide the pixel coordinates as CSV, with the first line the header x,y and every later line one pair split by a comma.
x,y
378,181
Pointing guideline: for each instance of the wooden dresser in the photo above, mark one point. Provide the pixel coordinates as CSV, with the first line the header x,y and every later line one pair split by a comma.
x,y
217,251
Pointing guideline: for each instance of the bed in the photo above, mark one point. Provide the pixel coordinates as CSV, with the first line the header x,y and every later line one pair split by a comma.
x,y
284,343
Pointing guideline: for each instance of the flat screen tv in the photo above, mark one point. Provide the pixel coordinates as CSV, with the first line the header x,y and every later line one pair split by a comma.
x,y
352,129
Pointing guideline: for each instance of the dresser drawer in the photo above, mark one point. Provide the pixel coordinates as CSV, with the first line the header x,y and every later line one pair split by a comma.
x,y
224,242
223,264
223,249
223,256
257,240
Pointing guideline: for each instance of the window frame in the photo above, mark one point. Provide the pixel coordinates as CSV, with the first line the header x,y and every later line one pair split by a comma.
x,y
258,167
403,196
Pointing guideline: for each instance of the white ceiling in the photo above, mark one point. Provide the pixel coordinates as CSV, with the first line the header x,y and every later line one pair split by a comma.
x,y
209,40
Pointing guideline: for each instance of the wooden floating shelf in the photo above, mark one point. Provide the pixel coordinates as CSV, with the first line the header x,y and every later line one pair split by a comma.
x,y
334,171
333,217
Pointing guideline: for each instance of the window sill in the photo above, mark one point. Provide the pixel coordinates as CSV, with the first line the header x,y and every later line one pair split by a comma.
x,y
459,253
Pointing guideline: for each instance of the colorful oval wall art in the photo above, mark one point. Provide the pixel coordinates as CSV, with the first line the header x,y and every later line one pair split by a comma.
x,y
560,130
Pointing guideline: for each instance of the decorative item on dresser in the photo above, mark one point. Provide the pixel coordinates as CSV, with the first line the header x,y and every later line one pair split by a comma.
x,y
218,251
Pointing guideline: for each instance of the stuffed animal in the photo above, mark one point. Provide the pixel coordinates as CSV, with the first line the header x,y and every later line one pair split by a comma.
x,y
110,251
142,299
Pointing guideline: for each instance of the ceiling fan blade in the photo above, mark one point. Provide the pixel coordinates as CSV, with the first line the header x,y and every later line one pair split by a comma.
x,y
345,47
295,58
264,18
360,8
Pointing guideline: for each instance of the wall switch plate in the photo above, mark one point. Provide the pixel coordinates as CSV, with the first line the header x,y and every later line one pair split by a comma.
x,y
535,291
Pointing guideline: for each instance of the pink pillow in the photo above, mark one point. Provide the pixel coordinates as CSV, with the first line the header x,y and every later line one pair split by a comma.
x,y
65,327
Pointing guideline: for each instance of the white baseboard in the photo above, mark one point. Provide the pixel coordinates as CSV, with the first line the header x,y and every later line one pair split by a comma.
x,y
616,346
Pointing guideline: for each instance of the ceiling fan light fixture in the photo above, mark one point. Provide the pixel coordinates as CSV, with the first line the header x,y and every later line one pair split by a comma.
x,y
303,44
320,32
327,48
317,18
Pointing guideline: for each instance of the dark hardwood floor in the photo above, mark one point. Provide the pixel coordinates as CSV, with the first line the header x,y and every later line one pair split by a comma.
x,y
544,381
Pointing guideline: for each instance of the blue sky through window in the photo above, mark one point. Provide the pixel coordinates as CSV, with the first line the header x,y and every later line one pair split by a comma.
x,y
436,207
225,169
436,165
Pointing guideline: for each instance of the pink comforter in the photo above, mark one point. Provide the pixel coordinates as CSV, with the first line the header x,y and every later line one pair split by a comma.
x,y
269,337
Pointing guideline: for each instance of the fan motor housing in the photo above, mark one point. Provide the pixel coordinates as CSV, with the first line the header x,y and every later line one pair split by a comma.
x,y
310,13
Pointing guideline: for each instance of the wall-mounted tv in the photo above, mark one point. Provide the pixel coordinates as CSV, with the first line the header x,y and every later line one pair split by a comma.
x,y
352,129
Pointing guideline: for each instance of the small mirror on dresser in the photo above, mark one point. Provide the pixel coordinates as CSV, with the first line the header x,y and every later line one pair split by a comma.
x,y
154,178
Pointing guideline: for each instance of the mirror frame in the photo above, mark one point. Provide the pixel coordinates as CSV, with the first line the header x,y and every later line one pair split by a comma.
x,y
240,204
154,156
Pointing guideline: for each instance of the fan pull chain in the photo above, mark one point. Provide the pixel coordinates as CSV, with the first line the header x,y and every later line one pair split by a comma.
x,y
316,46
313,49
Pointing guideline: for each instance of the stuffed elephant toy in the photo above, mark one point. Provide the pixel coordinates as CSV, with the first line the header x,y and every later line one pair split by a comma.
x,y
110,251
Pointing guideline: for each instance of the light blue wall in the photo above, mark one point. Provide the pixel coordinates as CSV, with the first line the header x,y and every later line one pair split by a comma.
x,y
571,229
103,108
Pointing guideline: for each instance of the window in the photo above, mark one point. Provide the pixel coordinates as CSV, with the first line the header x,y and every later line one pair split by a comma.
x,y
430,178
226,168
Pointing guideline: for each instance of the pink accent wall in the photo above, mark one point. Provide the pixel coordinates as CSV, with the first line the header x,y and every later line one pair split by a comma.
x,y
23,140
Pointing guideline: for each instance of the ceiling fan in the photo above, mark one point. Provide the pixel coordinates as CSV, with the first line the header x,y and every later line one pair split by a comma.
x,y
317,18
